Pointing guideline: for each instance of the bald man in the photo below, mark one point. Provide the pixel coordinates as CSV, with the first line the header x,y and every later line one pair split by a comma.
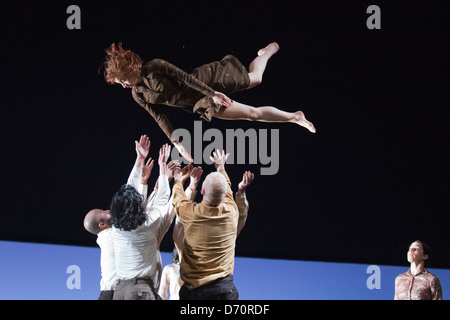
x,y
173,278
98,221
210,230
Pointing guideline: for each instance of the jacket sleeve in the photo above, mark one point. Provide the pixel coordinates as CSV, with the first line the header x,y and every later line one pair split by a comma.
x,y
229,195
178,229
183,205
157,114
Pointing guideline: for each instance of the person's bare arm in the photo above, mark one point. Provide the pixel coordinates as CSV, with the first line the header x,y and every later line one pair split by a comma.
x,y
241,199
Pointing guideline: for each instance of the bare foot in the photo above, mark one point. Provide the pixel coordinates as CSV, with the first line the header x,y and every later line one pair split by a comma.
x,y
270,49
301,120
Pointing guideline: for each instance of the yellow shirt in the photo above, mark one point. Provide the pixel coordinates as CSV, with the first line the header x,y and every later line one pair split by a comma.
x,y
210,237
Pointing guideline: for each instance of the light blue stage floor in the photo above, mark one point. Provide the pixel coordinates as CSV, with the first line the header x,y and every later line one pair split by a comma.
x,y
42,271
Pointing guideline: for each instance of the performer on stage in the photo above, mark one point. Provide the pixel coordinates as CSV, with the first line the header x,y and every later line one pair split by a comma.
x,y
417,283
98,221
210,231
204,91
170,280
137,233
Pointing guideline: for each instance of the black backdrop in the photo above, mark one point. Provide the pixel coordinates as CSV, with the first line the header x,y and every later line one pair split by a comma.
x,y
374,178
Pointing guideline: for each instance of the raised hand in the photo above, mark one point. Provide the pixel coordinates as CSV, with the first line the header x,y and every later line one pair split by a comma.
x,y
186,172
196,174
146,171
171,167
164,154
219,158
142,147
183,151
247,179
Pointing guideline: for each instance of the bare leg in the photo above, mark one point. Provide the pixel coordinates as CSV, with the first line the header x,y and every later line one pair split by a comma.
x,y
258,65
241,111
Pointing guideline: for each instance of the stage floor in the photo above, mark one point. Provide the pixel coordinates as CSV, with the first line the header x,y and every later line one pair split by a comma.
x,y
30,271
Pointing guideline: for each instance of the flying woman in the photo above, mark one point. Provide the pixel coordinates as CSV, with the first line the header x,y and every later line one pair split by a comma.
x,y
205,91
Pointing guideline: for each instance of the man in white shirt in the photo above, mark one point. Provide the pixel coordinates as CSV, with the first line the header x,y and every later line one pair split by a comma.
x,y
97,221
137,232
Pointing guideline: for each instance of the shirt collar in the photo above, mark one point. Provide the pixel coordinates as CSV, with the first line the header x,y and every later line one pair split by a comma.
x,y
425,271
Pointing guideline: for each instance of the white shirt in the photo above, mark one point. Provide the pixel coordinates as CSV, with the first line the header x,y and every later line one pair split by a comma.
x,y
105,239
137,251
135,180
107,262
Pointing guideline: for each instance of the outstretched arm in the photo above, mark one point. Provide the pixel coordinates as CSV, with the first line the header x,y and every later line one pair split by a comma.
x,y
241,199
178,229
195,175
159,204
156,113
142,149
141,170
219,159
181,202
163,122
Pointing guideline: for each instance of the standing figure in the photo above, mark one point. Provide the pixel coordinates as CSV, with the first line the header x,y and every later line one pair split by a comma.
x,y
98,221
417,283
170,280
210,231
137,232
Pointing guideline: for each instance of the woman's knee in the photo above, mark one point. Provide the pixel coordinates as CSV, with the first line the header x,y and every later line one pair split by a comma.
x,y
253,114
255,79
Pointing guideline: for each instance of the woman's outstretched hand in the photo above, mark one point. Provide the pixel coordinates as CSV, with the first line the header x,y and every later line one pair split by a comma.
x,y
222,100
183,151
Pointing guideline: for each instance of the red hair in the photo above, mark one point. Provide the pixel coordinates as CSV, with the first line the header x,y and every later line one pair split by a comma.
x,y
120,63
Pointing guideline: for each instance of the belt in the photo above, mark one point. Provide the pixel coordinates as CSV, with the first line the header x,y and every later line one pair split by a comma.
x,y
136,281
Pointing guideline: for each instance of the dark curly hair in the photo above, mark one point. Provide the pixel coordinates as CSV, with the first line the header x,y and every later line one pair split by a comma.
x,y
127,209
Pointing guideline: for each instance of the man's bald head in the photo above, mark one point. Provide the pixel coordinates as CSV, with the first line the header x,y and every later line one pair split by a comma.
x,y
97,220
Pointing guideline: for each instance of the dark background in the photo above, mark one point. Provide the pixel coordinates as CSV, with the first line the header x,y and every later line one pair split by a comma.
x,y
373,179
